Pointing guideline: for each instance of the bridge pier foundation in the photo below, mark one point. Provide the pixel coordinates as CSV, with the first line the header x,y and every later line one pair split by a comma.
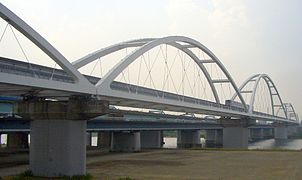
x,y
17,140
126,141
151,139
236,132
58,134
214,138
188,138
104,139
280,132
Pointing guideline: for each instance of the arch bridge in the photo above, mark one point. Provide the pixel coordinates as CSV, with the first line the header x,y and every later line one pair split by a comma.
x,y
69,81
85,96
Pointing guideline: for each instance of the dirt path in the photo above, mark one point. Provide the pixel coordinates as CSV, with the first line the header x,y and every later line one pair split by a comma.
x,y
188,164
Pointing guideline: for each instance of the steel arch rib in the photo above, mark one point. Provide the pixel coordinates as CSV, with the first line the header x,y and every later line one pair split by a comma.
x,y
104,83
287,107
244,84
108,50
268,80
139,42
44,45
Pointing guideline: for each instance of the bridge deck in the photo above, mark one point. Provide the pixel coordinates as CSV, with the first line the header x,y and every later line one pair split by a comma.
x,y
24,69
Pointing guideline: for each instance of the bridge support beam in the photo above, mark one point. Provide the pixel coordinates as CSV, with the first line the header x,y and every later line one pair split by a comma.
x,y
188,138
235,132
104,139
151,139
214,138
126,141
58,134
280,132
17,140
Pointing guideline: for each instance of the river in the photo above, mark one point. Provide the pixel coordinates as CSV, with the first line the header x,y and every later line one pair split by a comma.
x,y
292,144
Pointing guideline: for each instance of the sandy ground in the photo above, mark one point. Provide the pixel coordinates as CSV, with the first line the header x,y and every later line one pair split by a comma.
x,y
182,164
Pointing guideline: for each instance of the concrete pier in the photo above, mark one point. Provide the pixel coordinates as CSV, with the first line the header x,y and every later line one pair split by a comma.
x,y
125,141
151,139
104,139
58,147
236,132
17,140
188,138
281,132
235,137
214,138
58,134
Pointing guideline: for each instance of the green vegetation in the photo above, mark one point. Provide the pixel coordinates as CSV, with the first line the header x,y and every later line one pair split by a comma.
x,y
126,178
174,134
297,135
28,175
170,133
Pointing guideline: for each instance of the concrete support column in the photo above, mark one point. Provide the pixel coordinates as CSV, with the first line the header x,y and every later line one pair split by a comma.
x,y
58,147
17,140
188,138
281,132
104,139
58,134
235,137
151,139
88,139
128,141
213,138
236,132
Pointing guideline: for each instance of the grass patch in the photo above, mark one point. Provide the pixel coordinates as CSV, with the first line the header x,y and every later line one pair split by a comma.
x,y
126,178
28,175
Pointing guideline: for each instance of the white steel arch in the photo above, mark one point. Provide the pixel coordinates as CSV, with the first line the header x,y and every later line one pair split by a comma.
x,y
290,111
256,78
43,44
146,45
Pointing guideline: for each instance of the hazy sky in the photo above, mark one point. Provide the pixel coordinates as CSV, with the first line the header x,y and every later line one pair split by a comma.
x,y
249,37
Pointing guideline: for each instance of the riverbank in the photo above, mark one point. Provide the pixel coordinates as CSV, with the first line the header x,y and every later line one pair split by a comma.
x,y
191,164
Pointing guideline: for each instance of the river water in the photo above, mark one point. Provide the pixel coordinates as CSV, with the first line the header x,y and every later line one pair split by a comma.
x,y
292,144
